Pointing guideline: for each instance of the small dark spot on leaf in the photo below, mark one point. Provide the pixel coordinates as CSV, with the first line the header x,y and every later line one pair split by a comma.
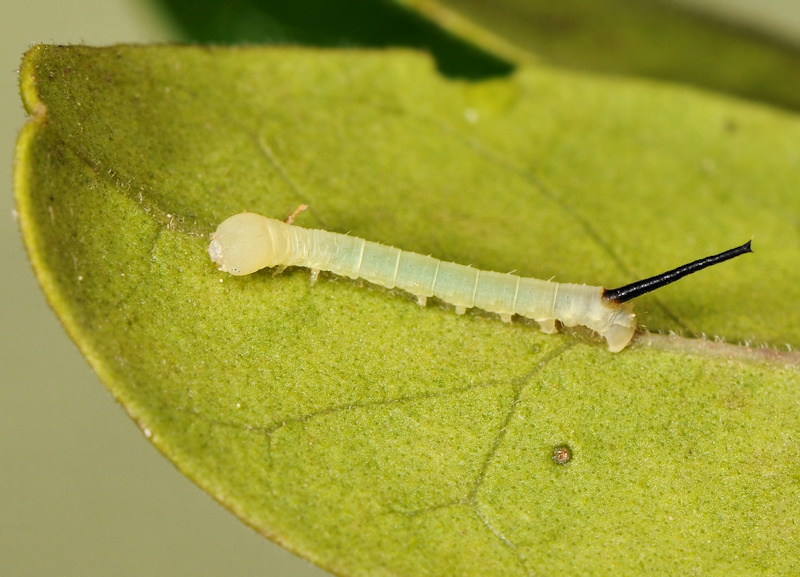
x,y
562,454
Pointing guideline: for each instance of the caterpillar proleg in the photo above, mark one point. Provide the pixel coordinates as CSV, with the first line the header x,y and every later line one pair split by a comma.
x,y
247,242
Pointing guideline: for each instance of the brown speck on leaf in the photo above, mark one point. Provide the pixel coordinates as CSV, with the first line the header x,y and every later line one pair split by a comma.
x,y
562,454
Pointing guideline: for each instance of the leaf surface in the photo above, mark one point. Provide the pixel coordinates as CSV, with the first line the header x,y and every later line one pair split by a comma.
x,y
643,38
474,38
372,436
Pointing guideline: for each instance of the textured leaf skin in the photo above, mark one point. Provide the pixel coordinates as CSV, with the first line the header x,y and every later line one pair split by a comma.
x,y
375,437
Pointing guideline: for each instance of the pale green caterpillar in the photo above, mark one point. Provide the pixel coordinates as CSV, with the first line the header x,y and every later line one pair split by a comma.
x,y
247,242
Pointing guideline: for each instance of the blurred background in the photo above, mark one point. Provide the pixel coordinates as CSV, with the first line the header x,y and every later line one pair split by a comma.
x,y
81,491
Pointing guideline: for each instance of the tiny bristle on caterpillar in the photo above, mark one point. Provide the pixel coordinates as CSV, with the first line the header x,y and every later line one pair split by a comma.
x,y
247,242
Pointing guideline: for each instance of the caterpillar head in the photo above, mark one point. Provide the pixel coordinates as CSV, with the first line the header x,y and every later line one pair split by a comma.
x,y
245,243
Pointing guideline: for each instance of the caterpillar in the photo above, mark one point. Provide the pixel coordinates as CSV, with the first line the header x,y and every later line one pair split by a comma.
x,y
248,242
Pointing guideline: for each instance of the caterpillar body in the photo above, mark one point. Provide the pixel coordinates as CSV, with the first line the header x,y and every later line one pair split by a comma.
x,y
247,242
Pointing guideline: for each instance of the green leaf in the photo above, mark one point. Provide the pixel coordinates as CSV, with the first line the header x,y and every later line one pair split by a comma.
x,y
370,435
333,23
643,38
475,38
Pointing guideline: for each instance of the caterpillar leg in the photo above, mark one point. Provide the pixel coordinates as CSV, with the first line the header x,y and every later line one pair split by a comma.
x,y
421,300
314,276
548,326
278,270
290,219
460,310
505,317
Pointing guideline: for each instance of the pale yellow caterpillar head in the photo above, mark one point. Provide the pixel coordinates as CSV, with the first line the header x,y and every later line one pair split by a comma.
x,y
245,243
